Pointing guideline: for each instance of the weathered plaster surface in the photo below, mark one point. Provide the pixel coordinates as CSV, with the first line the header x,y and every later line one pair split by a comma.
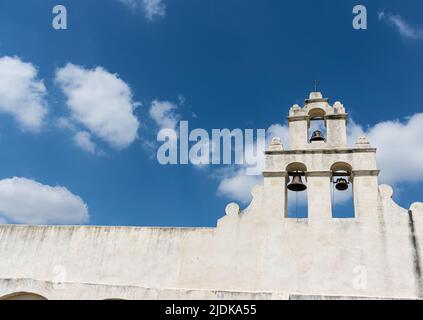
x,y
256,253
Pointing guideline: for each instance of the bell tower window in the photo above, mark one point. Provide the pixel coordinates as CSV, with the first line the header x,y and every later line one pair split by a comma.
x,y
296,189
317,126
342,191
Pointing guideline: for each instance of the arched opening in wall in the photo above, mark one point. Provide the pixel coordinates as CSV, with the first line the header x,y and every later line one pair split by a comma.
x,y
296,191
23,296
317,132
342,192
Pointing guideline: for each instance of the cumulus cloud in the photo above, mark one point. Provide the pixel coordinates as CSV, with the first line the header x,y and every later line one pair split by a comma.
x,y
83,140
151,8
354,131
236,184
164,114
400,149
65,123
405,29
22,94
203,155
100,101
393,140
30,202
278,131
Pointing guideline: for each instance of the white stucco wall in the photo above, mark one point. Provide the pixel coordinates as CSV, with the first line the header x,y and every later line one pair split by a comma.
x,y
256,251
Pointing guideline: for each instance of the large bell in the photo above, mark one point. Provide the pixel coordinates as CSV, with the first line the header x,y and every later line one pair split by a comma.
x,y
341,184
297,184
317,136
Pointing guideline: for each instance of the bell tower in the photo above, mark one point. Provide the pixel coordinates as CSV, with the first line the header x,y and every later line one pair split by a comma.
x,y
319,161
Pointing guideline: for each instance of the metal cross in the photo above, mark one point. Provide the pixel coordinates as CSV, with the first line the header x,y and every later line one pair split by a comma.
x,y
315,85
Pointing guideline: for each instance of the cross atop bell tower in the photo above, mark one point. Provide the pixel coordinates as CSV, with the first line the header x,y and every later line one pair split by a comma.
x,y
315,85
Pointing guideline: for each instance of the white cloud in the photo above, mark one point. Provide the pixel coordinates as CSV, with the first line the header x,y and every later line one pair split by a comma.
x,y
100,101
154,8
164,114
405,29
151,8
65,123
236,184
83,140
353,132
30,202
278,131
181,99
22,94
202,159
400,149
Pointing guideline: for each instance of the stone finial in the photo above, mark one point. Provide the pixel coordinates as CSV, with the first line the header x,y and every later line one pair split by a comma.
x,y
338,107
295,110
276,144
362,142
276,140
315,95
232,209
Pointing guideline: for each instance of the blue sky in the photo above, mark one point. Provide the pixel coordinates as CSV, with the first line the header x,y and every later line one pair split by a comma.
x,y
220,64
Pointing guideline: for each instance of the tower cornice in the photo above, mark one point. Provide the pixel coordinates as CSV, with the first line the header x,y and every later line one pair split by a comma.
x,y
321,151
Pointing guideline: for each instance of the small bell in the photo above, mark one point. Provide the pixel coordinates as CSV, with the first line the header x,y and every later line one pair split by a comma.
x,y
341,184
297,184
317,136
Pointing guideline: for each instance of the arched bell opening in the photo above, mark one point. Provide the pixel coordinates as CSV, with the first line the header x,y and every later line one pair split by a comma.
x,y
342,192
317,131
296,191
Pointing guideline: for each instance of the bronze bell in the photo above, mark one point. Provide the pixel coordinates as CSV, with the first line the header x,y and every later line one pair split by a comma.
x,y
341,184
317,136
297,184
